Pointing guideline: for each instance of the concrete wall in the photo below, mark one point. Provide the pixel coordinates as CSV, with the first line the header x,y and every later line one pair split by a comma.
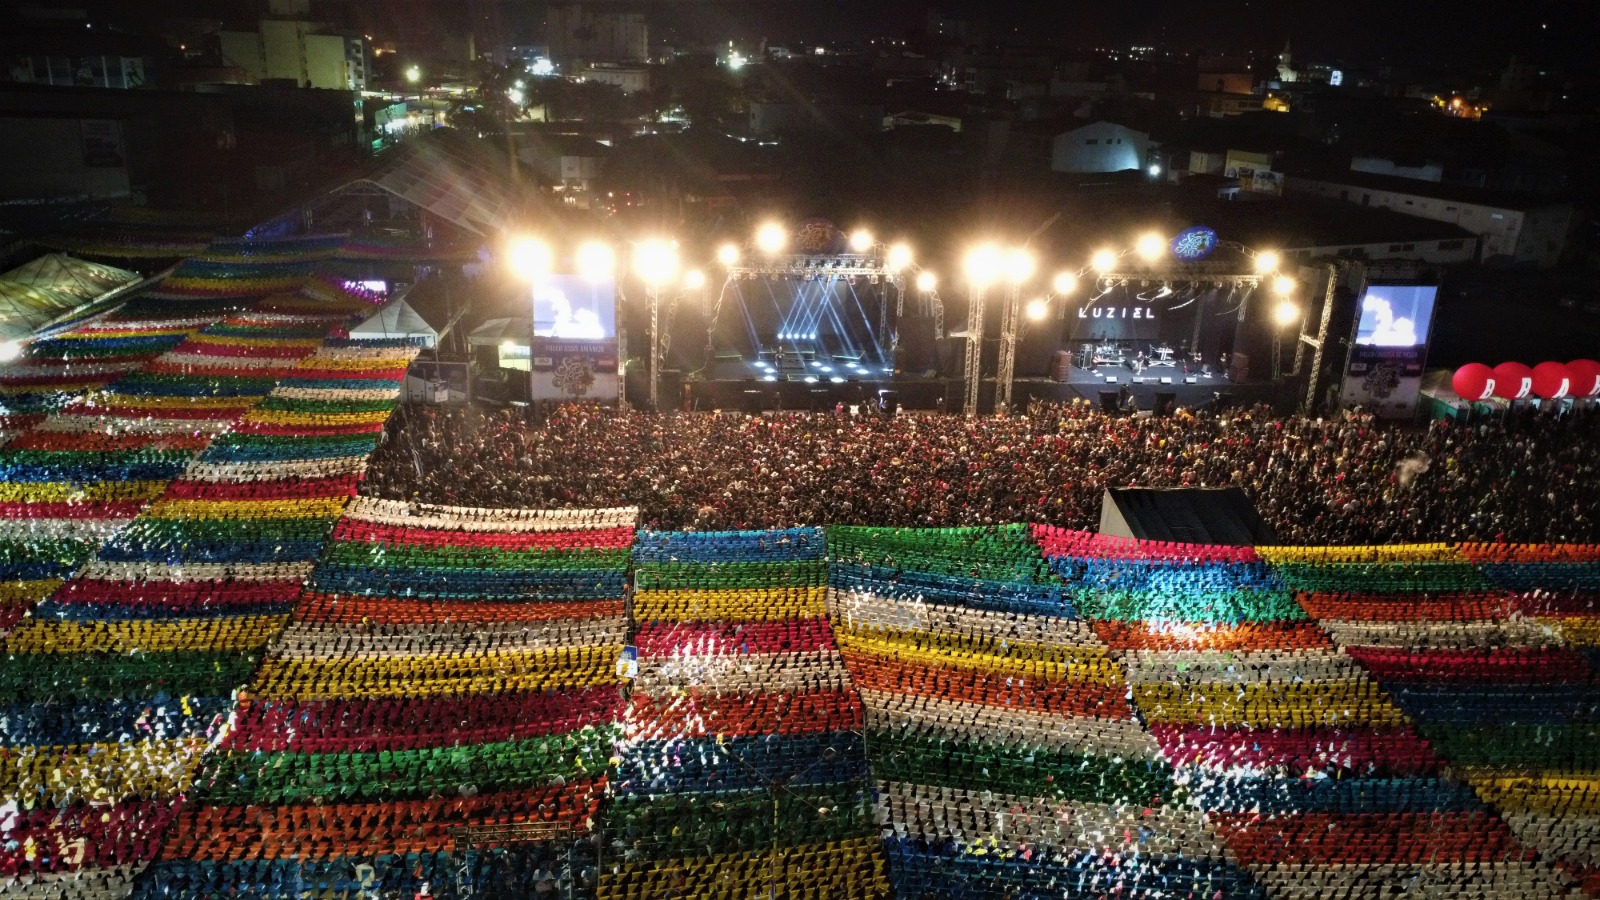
x,y
57,158
1101,147
243,49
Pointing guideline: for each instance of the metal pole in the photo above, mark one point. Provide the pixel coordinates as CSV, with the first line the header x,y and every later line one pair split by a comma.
x,y
974,366
1008,349
1313,382
655,346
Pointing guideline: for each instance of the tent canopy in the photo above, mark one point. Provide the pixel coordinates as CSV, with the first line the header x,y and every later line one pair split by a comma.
x,y
53,287
1184,515
396,320
495,332
64,274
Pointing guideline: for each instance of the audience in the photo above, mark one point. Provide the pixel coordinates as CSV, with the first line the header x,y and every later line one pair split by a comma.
x,y
1341,480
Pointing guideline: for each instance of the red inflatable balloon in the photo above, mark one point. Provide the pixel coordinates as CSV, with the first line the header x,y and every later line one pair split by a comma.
x,y
1473,382
1512,381
1585,377
1551,380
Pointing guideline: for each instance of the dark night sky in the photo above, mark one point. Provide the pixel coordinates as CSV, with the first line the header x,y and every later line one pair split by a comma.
x,y
1398,31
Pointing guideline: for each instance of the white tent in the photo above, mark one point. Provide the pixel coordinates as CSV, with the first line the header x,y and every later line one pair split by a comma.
x,y
396,320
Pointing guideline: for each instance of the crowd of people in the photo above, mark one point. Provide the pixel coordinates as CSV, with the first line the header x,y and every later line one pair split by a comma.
x,y
1336,480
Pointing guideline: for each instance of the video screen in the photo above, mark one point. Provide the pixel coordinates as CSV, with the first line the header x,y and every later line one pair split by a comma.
x,y
1396,315
575,309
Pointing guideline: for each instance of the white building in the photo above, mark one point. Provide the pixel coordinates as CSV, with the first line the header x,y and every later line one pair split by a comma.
x,y
581,32
1517,229
1100,147
298,51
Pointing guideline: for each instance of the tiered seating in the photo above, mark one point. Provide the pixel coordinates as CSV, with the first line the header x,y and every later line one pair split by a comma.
x,y
1429,627
1007,758
379,726
119,681
743,761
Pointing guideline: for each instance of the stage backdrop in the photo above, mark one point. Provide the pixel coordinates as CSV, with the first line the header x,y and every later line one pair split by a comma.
x,y
573,355
1384,373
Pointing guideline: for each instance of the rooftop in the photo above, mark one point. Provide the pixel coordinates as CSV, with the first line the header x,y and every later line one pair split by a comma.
x,y
1437,190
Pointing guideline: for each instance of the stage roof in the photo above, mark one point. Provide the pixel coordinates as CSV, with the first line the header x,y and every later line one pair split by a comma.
x,y
1184,515
464,184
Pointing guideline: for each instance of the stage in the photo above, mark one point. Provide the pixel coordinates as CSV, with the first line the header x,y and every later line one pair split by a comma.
x,y
821,384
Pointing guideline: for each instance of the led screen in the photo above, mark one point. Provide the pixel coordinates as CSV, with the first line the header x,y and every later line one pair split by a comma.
x,y
573,308
1396,315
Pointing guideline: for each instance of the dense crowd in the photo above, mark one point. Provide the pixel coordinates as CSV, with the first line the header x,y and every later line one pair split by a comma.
x,y
1340,480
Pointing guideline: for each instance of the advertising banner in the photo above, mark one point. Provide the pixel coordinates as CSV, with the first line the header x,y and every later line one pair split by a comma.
x,y
1390,349
573,370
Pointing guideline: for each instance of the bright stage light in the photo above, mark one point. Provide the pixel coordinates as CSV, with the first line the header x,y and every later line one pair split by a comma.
x,y
927,281
861,241
1037,310
530,258
1019,266
1104,261
1150,247
10,350
596,261
1286,312
728,254
1267,262
984,264
655,261
1283,285
1065,283
836,380
771,238
1155,170
694,279
899,257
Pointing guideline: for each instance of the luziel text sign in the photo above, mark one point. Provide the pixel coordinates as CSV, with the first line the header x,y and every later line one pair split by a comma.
x,y
1117,312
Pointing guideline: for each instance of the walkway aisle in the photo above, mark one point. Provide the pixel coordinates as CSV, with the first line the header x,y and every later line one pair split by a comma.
x,y
1488,658
446,668
122,678
1007,759
743,769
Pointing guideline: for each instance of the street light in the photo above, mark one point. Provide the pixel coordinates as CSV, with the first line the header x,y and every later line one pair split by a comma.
x,y
1065,283
861,241
1286,313
1019,266
983,265
413,74
1267,261
927,281
530,258
728,254
656,263
1103,261
1150,247
899,257
771,238
596,262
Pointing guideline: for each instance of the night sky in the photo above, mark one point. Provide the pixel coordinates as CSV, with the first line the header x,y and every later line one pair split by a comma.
x,y
1403,32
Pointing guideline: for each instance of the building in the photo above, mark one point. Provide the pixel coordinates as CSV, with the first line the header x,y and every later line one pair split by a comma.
x,y
1100,147
628,79
570,163
287,47
1514,229
773,119
579,34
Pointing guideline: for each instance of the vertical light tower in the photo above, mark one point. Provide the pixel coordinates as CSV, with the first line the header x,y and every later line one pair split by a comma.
x,y
983,265
1018,268
656,263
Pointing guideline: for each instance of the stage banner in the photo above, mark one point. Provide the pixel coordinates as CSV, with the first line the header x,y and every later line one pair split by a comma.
x,y
574,370
1384,373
